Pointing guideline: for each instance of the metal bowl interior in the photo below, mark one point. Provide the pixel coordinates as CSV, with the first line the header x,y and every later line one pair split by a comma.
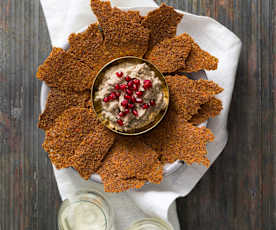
x,y
97,105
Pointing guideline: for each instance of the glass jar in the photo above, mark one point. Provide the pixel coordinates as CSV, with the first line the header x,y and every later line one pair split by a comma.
x,y
150,224
85,210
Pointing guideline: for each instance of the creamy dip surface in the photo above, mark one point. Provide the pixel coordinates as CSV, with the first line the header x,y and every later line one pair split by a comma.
x,y
131,96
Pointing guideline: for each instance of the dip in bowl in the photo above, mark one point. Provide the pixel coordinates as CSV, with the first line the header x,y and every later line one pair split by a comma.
x,y
130,96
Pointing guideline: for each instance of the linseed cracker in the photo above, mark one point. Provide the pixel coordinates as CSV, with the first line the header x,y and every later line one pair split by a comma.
x,y
69,130
112,182
186,95
61,70
59,101
89,48
210,109
134,159
170,55
199,59
176,139
162,24
89,154
123,33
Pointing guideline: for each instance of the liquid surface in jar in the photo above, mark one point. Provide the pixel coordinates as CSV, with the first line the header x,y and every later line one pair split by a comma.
x,y
83,216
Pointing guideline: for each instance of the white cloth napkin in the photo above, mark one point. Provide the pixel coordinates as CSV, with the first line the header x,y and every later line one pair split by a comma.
x,y
67,16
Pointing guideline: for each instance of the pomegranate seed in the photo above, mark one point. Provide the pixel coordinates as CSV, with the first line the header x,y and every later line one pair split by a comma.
x,y
110,98
119,74
117,87
133,99
134,112
131,106
128,78
121,114
139,93
139,100
129,92
106,99
124,103
134,87
120,122
145,106
152,102
123,86
130,84
128,97
118,94
136,81
126,111
113,95
147,84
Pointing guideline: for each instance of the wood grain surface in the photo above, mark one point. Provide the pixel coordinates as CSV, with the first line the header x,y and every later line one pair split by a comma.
x,y
237,193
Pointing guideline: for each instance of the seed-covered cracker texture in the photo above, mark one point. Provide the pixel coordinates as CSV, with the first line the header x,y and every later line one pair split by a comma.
x,y
199,59
210,109
170,55
123,33
176,139
69,130
186,95
162,24
58,101
61,70
89,154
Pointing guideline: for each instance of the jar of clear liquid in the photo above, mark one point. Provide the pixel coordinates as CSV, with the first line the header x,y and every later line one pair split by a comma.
x,y
85,210
150,224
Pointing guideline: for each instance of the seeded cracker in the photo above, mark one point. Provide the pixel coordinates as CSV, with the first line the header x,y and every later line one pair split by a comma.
x,y
162,24
135,159
90,153
59,101
199,60
210,109
112,182
61,70
175,139
170,55
123,33
186,95
69,130
89,48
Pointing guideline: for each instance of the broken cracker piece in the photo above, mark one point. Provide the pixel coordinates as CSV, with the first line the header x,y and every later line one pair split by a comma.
x,y
162,23
89,154
61,70
112,182
179,140
134,159
69,130
89,48
123,33
170,55
210,109
186,95
57,102
199,59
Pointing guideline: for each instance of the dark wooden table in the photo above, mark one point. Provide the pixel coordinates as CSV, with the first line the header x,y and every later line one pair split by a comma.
x,y
239,190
